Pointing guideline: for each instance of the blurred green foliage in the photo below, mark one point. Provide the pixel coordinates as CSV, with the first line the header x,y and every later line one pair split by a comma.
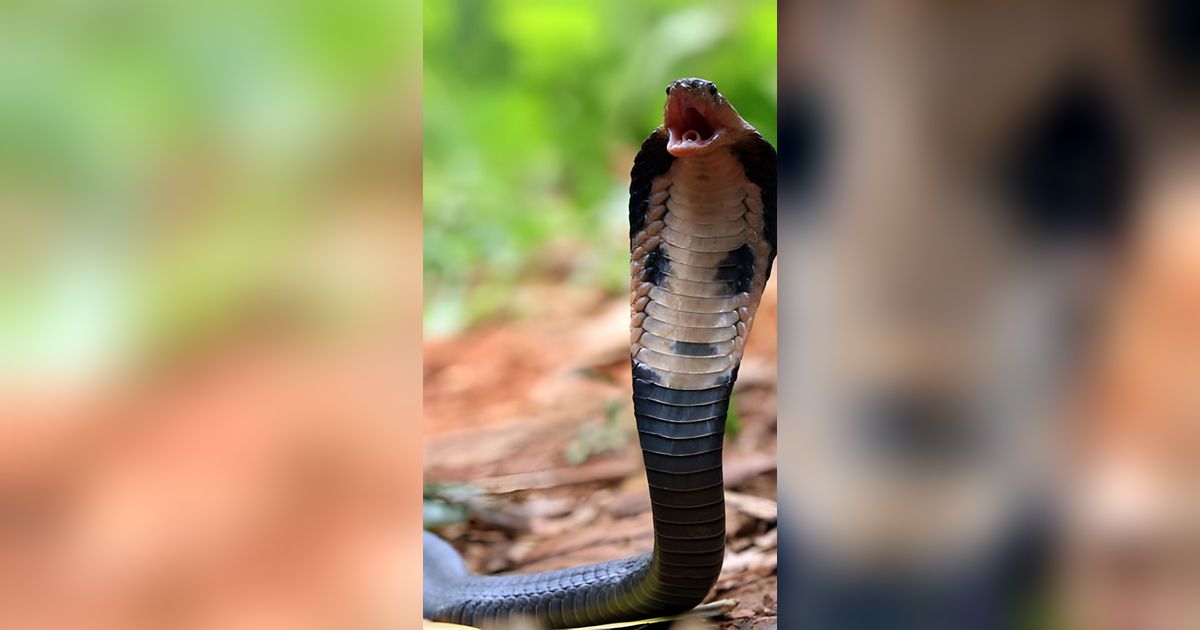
x,y
533,112
156,159
447,503
595,439
733,420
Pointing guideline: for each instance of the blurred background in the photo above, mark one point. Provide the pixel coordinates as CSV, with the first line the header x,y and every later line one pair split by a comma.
x,y
209,312
213,260
534,111
990,294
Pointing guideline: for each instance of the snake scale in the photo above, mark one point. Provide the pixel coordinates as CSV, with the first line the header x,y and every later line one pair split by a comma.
x,y
702,205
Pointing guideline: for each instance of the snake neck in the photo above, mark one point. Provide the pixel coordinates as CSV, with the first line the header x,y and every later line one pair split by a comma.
x,y
698,268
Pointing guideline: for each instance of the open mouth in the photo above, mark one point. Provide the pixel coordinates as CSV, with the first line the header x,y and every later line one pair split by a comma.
x,y
691,123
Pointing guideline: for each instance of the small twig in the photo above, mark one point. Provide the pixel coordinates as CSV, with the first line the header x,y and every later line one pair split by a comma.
x,y
599,471
704,611
760,508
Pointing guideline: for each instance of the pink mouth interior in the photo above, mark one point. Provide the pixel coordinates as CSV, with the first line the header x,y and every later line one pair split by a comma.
x,y
690,124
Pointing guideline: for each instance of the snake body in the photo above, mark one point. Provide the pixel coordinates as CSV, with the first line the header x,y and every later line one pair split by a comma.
x,y
702,240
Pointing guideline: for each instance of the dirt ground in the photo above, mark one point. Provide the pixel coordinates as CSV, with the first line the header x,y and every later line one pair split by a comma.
x,y
535,420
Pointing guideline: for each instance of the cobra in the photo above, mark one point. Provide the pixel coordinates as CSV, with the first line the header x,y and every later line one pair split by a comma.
x,y
702,205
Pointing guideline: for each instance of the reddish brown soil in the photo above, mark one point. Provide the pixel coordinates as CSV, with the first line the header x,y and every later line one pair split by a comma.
x,y
504,404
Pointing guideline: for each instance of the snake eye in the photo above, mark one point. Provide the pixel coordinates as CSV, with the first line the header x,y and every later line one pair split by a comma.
x,y
712,89
669,89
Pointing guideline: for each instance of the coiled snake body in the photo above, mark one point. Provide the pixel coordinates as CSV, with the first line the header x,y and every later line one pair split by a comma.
x,y
702,240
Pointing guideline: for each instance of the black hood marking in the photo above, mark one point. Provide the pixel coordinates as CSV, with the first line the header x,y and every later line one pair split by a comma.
x,y
760,162
741,260
656,267
651,161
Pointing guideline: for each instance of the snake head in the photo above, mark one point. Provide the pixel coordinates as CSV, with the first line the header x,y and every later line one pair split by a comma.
x,y
697,118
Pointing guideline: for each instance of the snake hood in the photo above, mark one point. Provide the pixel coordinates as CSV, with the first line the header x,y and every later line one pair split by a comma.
x,y
701,242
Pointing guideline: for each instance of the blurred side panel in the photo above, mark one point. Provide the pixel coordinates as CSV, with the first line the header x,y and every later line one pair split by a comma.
x,y
209,314
1132,552
961,186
